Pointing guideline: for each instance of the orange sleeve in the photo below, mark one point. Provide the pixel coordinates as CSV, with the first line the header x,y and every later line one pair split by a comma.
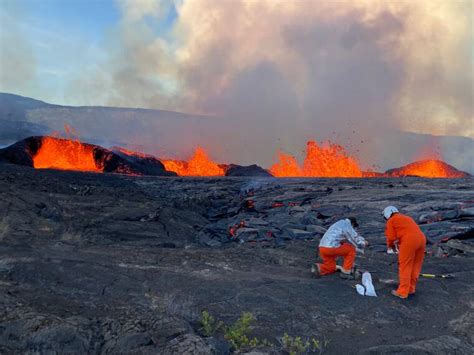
x,y
390,233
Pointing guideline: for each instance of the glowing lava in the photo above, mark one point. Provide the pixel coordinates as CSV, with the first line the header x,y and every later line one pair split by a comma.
x,y
286,167
199,165
430,168
326,160
65,154
329,160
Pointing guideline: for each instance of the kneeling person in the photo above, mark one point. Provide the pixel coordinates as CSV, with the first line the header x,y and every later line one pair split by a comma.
x,y
340,240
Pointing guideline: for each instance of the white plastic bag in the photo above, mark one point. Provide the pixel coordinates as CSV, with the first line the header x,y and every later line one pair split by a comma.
x,y
367,287
360,289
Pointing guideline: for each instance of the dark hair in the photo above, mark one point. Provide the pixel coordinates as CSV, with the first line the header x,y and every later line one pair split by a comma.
x,y
354,222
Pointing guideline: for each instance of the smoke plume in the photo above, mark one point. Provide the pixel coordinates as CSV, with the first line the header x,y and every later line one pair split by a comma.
x,y
280,72
271,74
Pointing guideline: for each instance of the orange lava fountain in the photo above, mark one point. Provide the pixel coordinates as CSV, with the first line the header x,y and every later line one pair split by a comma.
x,y
199,165
65,154
286,167
329,160
430,168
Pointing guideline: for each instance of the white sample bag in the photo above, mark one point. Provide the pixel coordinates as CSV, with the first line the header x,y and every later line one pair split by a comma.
x,y
367,287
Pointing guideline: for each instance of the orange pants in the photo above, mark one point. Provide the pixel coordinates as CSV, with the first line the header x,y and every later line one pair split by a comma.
x,y
329,255
410,260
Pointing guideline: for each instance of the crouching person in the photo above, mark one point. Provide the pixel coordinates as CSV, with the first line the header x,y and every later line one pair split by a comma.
x,y
340,240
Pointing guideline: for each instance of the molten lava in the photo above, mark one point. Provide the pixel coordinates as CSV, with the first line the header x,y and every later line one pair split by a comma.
x,y
329,160
326,160
287,166
199,165
430,168
65,154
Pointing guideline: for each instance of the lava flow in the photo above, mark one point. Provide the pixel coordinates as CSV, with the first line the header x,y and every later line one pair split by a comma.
x,y
326,160
199,165
430,168
329,160
65,154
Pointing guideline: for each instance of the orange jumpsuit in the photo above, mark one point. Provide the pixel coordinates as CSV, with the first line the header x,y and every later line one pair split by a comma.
x,y
339,241
329,255
412,244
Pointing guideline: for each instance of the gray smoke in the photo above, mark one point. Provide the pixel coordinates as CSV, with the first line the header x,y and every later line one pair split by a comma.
x,y
17,62
271,74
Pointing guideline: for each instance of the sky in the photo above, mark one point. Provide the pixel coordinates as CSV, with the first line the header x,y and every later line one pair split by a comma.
x,y
270,65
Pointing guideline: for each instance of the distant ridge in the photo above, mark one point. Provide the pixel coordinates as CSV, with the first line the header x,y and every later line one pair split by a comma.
x,y
175,135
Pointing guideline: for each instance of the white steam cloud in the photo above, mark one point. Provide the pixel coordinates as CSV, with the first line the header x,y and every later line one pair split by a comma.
x,y
275,73
404,64
17,62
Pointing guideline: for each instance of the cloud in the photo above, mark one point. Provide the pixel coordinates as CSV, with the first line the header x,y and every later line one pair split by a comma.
x,y
17,61
279,72
275,73
382,62
136,10
401,64
140,70
437,93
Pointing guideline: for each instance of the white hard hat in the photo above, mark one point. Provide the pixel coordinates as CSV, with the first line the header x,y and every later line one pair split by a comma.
x,y
388,211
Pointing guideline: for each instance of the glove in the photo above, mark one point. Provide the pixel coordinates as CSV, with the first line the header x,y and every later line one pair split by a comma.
x,y
392,251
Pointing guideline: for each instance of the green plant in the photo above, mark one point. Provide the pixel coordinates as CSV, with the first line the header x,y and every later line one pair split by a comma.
x,y
238,333
296,345
209,325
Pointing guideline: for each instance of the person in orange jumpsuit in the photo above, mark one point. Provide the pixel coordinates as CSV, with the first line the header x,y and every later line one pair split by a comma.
x,y
340,240
411,241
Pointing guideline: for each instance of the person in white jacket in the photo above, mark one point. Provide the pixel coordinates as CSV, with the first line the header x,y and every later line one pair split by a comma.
x,y
340,240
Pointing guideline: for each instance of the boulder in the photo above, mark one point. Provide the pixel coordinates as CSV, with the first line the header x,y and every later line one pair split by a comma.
x,y
247,234
61,338
442,345
316,229
256,222
438,216
467,212
298,233
127,343
187,344
250,170
205,239
464,247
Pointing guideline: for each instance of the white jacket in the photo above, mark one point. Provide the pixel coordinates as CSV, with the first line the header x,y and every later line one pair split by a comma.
x,y
340,231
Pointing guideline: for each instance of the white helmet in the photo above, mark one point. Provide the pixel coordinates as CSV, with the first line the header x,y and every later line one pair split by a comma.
x,y
388,211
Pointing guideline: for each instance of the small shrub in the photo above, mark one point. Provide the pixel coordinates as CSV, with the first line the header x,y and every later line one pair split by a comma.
x,y
238,333
296,345
209,325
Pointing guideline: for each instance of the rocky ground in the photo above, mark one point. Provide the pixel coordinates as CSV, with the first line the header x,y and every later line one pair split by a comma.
x,y
97,263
